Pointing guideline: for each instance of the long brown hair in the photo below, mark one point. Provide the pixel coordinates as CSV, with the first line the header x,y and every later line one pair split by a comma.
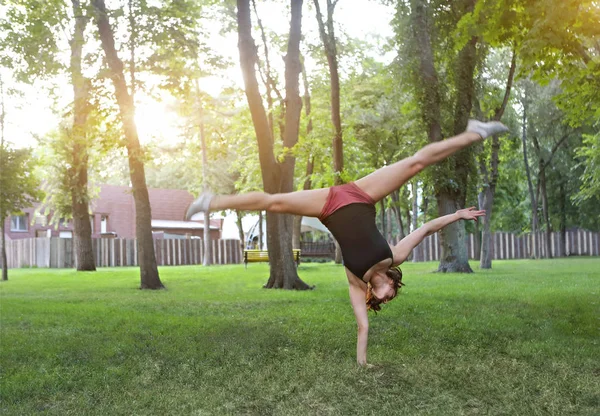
x,y
373,302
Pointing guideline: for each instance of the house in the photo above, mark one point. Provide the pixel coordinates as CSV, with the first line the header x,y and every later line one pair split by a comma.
x,y
113,216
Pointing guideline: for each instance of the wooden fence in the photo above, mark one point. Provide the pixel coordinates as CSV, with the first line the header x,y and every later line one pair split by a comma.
x,y
514,246
113,252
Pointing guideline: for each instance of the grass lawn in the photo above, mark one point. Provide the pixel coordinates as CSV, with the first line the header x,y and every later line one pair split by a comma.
x,y
521,339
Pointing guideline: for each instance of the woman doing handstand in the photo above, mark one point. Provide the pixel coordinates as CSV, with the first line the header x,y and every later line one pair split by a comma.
x,y
348,211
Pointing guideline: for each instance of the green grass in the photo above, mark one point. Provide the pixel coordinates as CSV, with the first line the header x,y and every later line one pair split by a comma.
x,y
521,339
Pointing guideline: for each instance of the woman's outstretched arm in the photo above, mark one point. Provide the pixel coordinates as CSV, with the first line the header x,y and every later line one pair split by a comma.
x,y
402,250
358,291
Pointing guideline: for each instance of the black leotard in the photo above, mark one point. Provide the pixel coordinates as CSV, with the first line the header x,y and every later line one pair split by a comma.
x,y
362,245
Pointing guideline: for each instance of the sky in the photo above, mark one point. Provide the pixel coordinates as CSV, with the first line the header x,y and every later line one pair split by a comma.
x,y
31,114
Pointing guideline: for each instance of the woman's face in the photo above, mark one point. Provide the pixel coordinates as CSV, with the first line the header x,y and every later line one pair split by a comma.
x,y
385,290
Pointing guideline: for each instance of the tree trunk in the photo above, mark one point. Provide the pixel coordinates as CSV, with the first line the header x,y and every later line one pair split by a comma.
x,y
329,44
382,217
417,251
532,198
454,255
452,239
207,260
3,239
485,261
310,164
238,221
396,208
542,187
563,222
296,232
261,231
298,218
2,154
276,177
147,259
489,191
82,229
388,219
454,251
548,231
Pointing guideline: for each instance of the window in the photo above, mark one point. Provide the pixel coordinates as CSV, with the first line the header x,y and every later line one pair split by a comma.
x,y
65,234
104,223
92,223
19,222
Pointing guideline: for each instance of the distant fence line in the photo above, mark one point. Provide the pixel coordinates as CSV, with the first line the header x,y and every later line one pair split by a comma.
x,y
114,252
513,246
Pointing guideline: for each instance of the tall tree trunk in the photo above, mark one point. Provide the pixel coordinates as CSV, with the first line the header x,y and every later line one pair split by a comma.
x,y
454,256
276,177
382,217
548,230
238,221
542,186
417,252
388,220
261,231
532,197
310,163
3,238
395,195
207,260
329,44
82,229
298,218
490,180
562,250
147,259
2,153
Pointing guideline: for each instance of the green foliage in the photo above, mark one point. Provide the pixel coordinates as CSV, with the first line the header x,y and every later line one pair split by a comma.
x,y
19,186
30,36
503,341
589,153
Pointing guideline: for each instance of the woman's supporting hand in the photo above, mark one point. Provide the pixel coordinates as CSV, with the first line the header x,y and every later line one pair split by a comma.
x,y
470,213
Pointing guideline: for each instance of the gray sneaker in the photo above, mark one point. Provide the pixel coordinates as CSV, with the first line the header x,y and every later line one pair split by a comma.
x,y
486,129
201,204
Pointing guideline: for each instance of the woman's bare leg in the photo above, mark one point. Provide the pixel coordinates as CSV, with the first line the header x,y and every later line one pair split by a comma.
x,y
308,203
385,180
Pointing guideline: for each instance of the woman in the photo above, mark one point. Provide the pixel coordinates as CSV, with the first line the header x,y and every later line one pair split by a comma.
x,y
348,211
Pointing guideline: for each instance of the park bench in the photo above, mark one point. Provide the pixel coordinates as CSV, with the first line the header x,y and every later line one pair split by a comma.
x,y
262,256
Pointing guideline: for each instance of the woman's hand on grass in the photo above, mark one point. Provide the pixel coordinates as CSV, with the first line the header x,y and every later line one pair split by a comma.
x,y
365,365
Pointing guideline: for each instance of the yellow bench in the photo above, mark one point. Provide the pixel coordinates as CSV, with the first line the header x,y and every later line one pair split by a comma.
x,y
262,256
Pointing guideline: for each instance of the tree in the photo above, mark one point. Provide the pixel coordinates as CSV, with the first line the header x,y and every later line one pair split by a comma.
x,y
147,258
33,33
489,174
445,113
276,176
19,187
78,174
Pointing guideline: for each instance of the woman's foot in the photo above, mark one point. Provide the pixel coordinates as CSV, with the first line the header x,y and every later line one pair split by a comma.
x,y
486,129
201,204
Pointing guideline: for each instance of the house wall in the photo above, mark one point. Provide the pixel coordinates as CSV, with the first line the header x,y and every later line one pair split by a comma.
x,y
32,229
117,203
